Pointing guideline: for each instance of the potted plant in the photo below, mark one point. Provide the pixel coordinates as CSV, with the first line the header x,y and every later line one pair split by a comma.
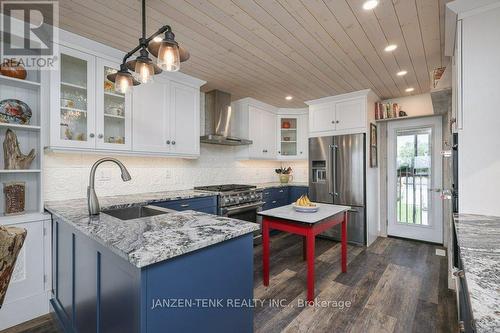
x,y
284,174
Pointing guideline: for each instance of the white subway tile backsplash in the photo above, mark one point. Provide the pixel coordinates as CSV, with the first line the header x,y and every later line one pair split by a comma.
x,y
66,174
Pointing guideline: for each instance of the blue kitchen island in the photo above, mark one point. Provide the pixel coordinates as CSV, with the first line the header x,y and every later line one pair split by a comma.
x,y
177,272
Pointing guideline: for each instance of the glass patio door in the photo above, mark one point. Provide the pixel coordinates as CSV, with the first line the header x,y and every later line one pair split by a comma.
x,y
414,179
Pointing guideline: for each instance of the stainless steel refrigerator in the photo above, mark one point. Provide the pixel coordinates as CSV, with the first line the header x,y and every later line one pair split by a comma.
x,y
337,176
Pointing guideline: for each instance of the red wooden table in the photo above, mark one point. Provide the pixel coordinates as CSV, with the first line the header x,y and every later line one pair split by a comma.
x,y
307,225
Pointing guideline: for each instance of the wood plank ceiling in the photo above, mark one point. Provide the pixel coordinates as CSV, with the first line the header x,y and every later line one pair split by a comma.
x,y
268,49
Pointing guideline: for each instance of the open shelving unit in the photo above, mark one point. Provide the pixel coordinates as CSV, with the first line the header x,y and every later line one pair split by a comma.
x,y
29,137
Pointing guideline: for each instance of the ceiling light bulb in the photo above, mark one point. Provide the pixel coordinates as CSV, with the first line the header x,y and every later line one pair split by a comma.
x,y
288,98
401,73
123,82
144,71
370,4
409,89
390,47
168,57
157,39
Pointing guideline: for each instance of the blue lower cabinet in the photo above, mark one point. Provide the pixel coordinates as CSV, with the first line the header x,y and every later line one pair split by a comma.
x,y
294,192
95,290
204,204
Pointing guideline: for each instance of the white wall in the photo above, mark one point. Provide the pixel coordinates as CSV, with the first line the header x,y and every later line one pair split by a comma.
x,y
416,105
479,140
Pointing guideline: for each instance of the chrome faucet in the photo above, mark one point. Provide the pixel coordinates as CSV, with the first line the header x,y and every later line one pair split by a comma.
x,y
92,200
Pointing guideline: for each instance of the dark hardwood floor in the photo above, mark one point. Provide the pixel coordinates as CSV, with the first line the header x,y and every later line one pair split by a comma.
x,y
394,285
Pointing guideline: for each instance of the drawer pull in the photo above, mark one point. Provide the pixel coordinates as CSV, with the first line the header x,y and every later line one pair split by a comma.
x,y
266,193
184,205
281,191
459,273
274,201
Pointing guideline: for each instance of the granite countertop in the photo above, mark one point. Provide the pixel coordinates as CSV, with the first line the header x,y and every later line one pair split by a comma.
x,y
478,240
148,240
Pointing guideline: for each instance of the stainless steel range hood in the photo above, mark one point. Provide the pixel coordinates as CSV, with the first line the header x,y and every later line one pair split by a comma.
x,y
218,120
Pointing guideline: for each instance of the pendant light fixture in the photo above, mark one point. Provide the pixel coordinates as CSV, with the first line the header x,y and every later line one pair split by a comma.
x,y
143,68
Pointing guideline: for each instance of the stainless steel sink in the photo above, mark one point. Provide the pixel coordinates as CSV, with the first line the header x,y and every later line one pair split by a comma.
x,y
130,213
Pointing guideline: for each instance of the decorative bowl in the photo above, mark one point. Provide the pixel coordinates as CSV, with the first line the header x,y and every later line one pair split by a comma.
x,y
305,209
14,111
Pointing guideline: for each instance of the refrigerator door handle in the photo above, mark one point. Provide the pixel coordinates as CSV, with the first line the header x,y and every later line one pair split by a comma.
x,y
330,178
334,169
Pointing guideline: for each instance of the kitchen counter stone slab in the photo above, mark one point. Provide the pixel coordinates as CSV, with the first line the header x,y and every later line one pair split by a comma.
x,y
478,240
149,240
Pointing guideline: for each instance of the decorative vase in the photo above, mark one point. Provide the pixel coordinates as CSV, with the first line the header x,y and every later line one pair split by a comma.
x,y
286,124
285,178
13,68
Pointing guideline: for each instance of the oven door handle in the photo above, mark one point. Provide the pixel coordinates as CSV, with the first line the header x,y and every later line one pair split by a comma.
x,y
242,208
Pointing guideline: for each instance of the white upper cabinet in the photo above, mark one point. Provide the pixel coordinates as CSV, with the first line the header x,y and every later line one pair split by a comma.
x,y
167,118
73,100
262,132
185,119
350,114
158,118
151,117
292,138
113,111
341,114
322,117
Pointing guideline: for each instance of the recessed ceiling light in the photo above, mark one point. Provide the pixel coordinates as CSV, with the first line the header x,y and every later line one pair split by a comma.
x,y
370,4
288,98
401,73
409,89
390,47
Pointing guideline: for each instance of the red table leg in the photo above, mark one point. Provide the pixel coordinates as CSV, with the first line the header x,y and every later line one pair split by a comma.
x,y
265,251
304,248
310,266
344,243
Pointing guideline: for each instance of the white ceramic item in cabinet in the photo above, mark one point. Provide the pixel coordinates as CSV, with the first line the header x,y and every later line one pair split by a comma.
x,y
73,100
113,111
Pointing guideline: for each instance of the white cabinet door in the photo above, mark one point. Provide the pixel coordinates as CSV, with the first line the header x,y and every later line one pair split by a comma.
x,y
113,111
184,119
322,117
151,117
255,150
73,100
268,135
350,114
303,137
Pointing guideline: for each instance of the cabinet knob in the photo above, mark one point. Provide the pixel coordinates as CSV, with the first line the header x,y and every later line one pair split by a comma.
x,y
337,122
279,152
91,135
264,151
333,121
301,152
168,142
100,136
173,142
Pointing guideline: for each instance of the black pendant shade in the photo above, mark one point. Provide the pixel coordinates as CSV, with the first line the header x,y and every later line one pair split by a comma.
x,y
112,78
154,47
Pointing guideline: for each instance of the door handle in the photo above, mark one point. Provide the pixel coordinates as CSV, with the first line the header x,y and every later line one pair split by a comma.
x,y
334,169
437,190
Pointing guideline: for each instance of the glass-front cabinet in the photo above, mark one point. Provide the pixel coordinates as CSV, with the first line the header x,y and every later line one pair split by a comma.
x,y
113,122
88,112
75,100
292,137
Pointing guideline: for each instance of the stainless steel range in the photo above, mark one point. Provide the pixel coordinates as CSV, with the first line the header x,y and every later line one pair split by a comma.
x,y
238,201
